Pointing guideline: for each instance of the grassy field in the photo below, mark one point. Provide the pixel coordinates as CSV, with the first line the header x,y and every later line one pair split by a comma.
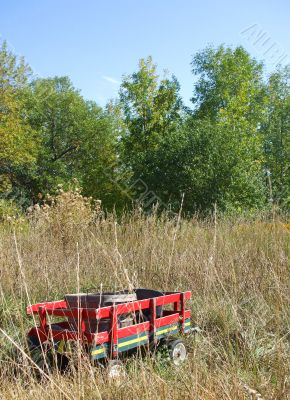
x,y
238,273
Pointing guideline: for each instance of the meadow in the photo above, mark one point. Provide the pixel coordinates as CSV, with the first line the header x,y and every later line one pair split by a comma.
x,y
237,270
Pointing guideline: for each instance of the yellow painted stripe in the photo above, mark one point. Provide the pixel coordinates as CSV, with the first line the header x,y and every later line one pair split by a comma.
x,y
187,324
98,351
139,339
60,347
172,328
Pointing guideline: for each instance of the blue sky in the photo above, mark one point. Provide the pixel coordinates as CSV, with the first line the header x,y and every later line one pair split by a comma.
x,y
96,42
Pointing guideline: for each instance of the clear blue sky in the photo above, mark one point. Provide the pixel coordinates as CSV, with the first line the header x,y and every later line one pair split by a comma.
x,y
96,42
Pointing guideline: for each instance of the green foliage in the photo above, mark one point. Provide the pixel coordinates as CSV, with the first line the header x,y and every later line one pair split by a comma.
x,y
152,111
215,154
59,113
276,129
151,107
18,140
231,150
98,163
229,89
206,165
77,139
231,94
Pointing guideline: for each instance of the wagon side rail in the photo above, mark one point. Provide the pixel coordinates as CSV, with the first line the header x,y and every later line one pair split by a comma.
x,y
51,305
60,308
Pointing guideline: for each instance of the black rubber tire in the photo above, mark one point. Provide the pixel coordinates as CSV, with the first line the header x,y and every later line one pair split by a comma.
x,y
45,357
177,351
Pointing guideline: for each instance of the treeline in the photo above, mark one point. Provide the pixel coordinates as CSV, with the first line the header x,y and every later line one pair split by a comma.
x,y
230,149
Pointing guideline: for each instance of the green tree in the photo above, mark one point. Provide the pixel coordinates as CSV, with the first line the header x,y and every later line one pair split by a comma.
x,y
230,93
201,162
78,140
58,113
151,110
18,141
229,89
98,162
276,129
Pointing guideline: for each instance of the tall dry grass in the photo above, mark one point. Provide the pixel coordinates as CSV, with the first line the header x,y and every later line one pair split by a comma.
x,y
238,273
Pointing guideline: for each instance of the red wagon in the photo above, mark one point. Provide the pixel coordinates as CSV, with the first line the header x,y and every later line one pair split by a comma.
x,y
110,330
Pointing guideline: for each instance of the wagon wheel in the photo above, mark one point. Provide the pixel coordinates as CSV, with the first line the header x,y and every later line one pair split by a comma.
x,y
41,355
177,351
116,369
45,357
